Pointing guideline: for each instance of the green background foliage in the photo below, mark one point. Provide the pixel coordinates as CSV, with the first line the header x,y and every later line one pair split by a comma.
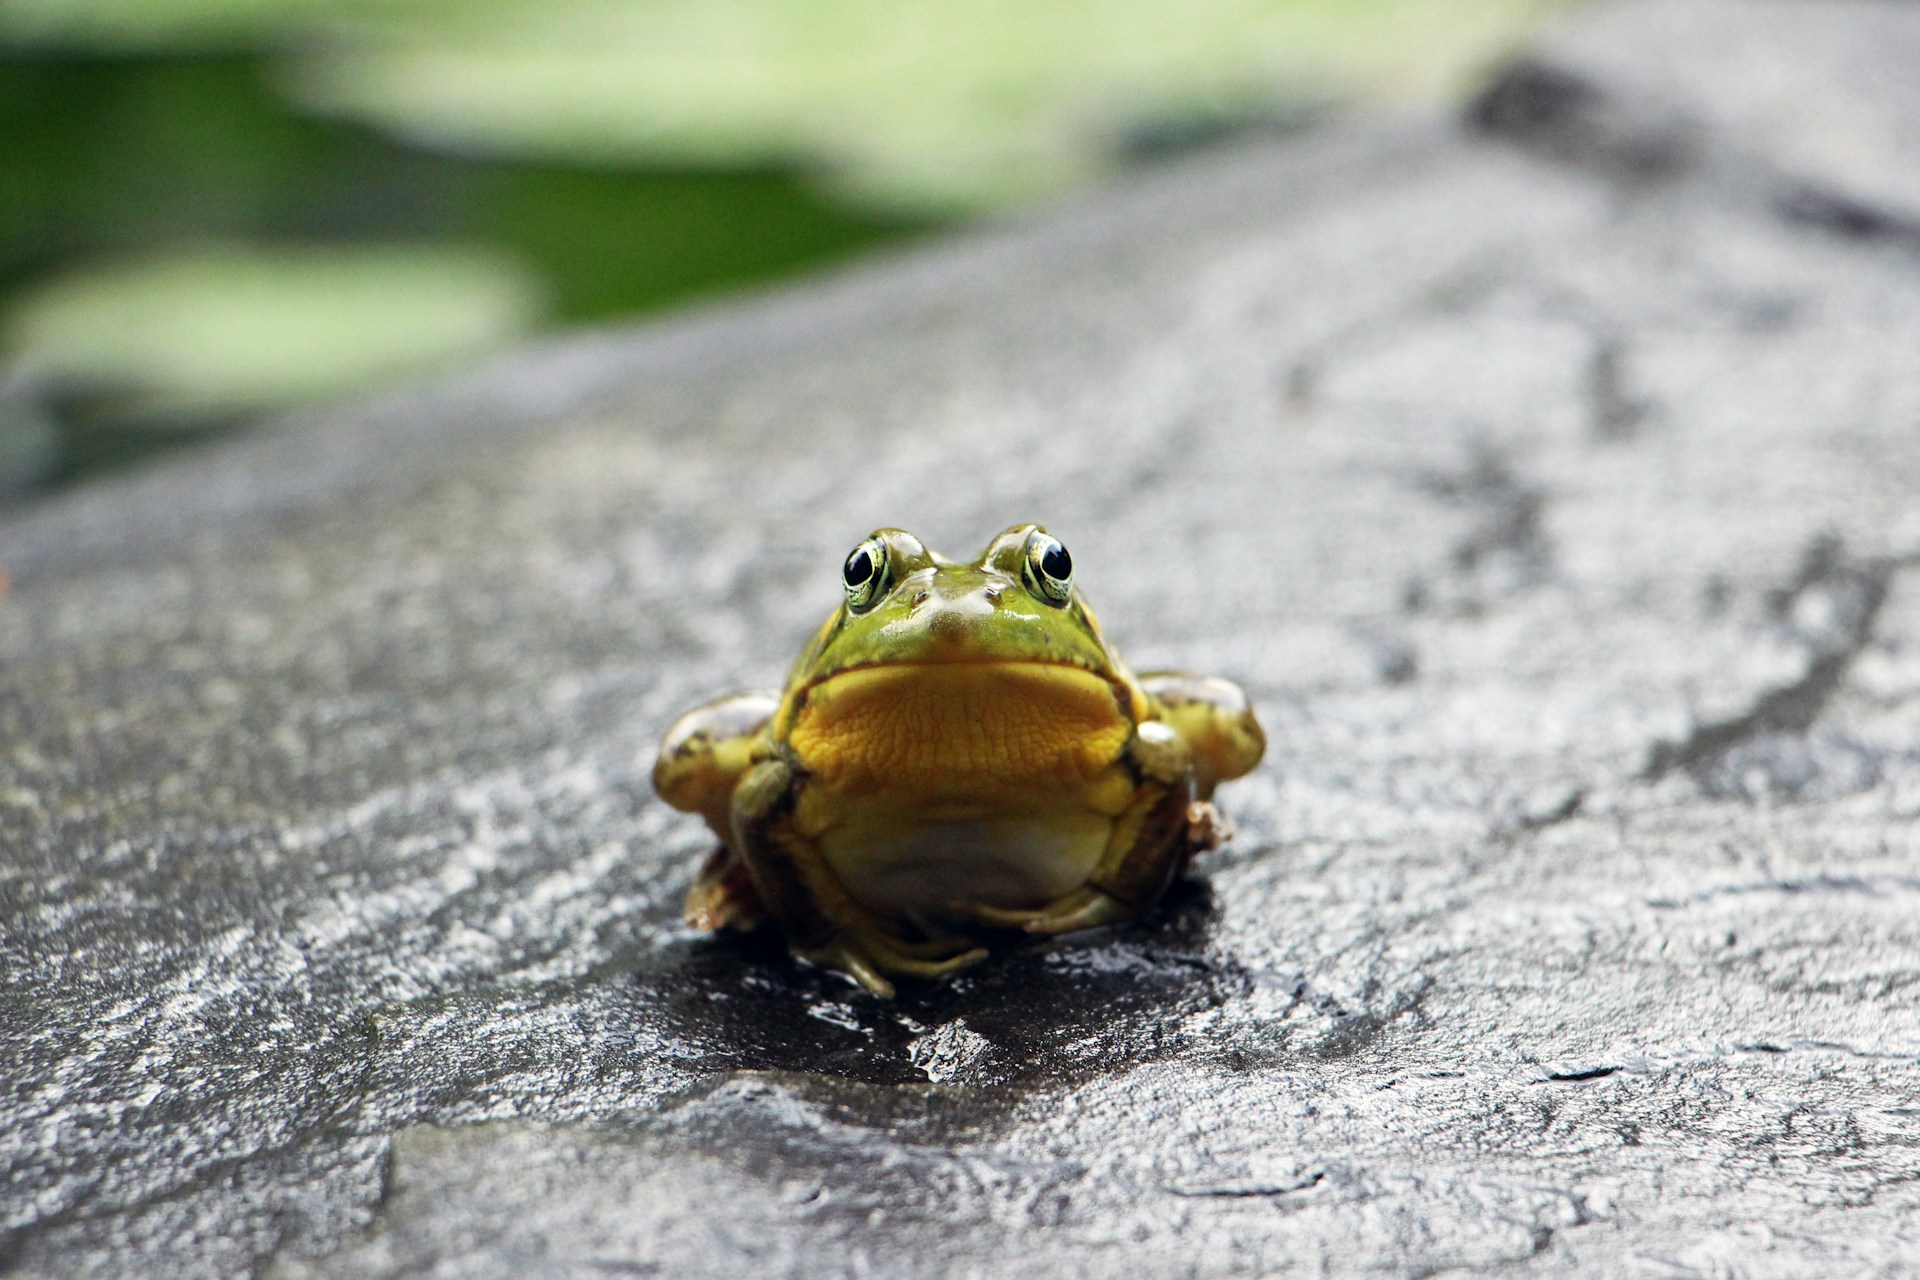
x,y
209,208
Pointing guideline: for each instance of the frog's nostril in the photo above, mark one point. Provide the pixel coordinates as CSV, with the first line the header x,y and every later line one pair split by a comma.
x,y
919,599
993,595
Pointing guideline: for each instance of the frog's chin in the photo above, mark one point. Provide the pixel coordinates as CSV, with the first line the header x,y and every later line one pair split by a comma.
x,y
944,730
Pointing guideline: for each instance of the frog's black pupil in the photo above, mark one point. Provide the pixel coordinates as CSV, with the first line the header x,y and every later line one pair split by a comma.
x,y
859,567
1056,563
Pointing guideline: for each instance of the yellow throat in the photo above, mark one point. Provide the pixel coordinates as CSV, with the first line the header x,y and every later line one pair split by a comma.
x,y
948,728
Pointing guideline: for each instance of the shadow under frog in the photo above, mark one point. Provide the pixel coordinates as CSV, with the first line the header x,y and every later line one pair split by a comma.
x,y
643,1034
1040,1013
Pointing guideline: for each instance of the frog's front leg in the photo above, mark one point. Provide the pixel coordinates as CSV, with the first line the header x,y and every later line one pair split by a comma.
x,y
1215,720
702,759
822,922
1150,844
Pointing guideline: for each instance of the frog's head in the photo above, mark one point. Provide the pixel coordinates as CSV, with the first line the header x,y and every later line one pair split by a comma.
x,y
906,604
1015,609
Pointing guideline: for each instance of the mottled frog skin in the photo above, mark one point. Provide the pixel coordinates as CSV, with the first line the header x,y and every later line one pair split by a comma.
x,y
957,753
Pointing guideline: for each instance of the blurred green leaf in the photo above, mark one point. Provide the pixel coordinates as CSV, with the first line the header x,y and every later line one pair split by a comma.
x,y
592,157
126,156
196,26
120,156
929,104
935,103
224,331
145,160
610,243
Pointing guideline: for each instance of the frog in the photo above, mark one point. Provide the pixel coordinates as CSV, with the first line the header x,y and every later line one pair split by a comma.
x,y
958,755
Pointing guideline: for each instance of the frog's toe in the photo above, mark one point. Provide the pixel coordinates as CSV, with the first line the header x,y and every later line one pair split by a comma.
x,y
928,959
843,957
936,968
1081,909
869,960
994,917
1084,908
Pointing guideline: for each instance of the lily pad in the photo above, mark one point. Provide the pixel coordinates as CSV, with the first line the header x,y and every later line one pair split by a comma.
x,y
230,330
934,104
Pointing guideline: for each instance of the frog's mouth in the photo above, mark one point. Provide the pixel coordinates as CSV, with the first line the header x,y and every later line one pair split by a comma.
x,y
942,725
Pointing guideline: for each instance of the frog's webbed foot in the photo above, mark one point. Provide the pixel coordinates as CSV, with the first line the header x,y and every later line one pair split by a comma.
x,y
1083,908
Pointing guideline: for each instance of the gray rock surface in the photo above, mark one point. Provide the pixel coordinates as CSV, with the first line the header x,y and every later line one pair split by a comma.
x,y
1818,104
1554,488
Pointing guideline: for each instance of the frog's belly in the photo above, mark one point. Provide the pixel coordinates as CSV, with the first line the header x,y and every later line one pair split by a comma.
x,y
916,872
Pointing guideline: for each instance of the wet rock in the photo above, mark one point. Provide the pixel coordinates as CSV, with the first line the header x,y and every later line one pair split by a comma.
x,y
1815,109
1559,514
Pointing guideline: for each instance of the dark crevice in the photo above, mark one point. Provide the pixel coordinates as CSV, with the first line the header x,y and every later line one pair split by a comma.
x,y
1576,1077
1355,1030
1823,560
1616,412
1561,114
1823,1046
1504,553
1853,594
1847,217
1558,113
1568,808
1251,1191
1544,1233
1875,886
1792,708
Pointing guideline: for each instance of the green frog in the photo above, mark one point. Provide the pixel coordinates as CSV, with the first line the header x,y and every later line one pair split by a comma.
x,y
957,752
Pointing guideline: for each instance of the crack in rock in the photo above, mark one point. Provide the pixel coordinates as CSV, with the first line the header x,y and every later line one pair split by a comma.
x,y
1581,1076
1617,412
1251,1190
1831,211
1592,100
1875,886
1504,553
1566,116
1830,606
1824,1046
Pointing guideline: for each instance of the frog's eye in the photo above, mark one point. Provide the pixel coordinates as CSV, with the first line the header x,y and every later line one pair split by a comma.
x,y
1049,569
865,573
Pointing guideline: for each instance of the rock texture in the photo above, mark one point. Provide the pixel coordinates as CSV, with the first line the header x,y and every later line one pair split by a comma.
x,y
1554,484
